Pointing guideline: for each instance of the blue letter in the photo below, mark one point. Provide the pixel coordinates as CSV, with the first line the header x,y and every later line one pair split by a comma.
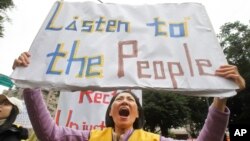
x,y
50,25
55,55
73,58
99,24
111,26
126,24
93,61
157,24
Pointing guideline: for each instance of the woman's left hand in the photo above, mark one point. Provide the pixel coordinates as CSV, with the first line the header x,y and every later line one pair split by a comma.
x,y
231,72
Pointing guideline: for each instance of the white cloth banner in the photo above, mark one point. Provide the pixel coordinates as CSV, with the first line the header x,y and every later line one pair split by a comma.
x,y
85,110
89,45
23,117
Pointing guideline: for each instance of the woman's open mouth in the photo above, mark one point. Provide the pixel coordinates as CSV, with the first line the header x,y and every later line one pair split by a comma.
x,y
124,112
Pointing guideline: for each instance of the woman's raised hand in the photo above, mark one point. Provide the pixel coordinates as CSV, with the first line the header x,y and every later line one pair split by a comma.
x,y
231,72
22,60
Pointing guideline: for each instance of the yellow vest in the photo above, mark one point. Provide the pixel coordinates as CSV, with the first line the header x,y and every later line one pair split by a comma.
x,y
137,135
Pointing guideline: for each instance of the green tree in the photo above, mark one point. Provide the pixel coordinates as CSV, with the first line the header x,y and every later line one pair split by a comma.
x,y
235,41
198,113
4,5
164,110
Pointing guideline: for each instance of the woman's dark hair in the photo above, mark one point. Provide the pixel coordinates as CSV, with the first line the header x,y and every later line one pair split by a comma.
x,y
139,122
10,120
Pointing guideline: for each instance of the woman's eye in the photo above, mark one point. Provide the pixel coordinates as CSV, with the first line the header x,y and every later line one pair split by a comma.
x,y
131,99
118,99
4,103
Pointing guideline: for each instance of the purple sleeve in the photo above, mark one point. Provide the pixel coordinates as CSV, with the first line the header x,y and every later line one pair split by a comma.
x,y
214,127
44,125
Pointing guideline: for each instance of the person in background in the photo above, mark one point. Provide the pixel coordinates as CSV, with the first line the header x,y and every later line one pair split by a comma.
x,y
9,109
124,116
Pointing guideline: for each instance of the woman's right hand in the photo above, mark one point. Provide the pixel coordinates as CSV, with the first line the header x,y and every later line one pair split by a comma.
x,y
22,60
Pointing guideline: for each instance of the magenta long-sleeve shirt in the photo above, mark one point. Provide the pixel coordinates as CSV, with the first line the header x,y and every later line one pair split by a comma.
x,y
47,130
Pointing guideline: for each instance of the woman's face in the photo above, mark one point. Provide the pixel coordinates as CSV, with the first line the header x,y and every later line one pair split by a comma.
x,y
5,109
124,111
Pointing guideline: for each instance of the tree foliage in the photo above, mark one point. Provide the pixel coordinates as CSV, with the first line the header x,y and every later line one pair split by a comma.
x,y
235,41
198,113
4,5
164,110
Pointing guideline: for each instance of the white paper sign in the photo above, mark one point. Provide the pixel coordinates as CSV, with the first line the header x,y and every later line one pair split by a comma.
x,y
85,110
23,117
89,45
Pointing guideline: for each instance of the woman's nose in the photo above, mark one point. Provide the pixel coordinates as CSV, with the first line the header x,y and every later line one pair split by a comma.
x,y
124,102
